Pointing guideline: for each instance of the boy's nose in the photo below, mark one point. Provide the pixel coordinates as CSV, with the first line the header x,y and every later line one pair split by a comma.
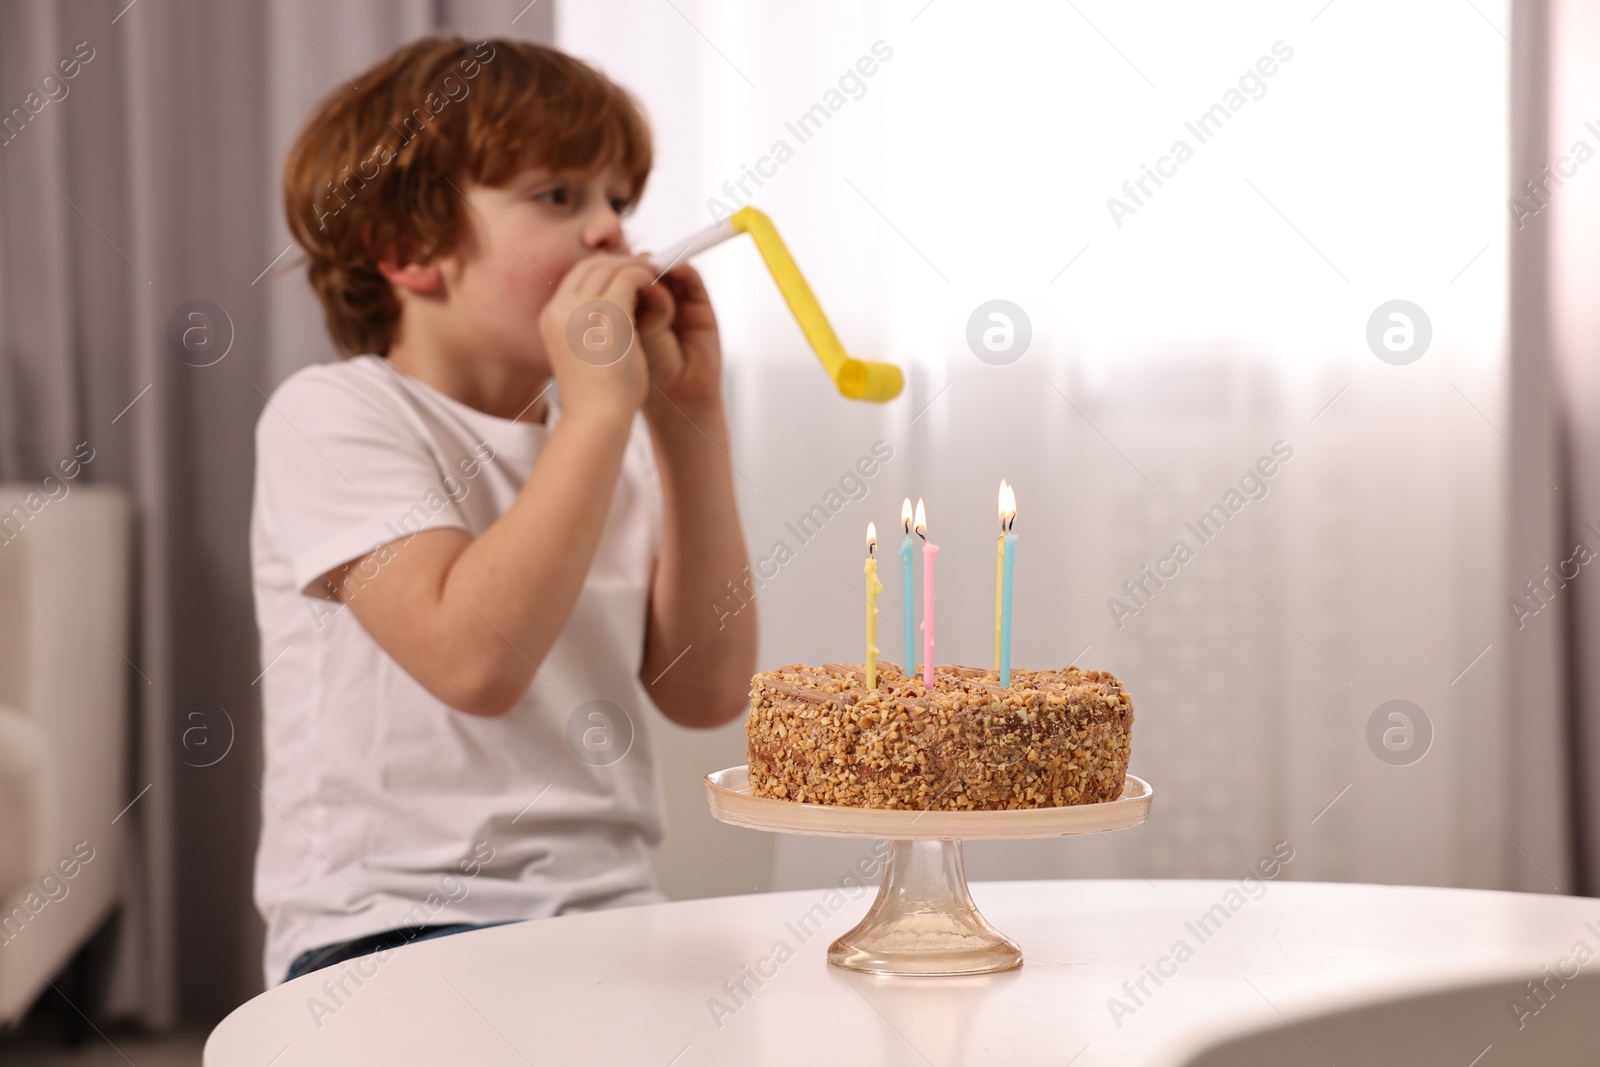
x,y
604,232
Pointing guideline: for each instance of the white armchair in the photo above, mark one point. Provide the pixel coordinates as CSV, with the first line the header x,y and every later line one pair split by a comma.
x,y
64,684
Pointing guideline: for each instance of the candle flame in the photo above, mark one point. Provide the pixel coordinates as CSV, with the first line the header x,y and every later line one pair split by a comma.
x,y
905,514
921,521
1008,505
872,537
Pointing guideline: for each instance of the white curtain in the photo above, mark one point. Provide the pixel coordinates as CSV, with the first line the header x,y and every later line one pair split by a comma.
x,y
1173,345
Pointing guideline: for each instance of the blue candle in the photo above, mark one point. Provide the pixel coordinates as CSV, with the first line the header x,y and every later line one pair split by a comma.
x,y
906,589
1008,510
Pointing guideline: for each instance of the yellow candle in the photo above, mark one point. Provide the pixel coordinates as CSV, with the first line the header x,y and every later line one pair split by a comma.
x,y
874,587
999,580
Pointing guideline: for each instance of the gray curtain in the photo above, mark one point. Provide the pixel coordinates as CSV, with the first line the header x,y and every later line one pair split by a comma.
x,y
1537,743
1565,227
152,183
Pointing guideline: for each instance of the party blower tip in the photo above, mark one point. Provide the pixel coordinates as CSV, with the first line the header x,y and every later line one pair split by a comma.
x,y
857,379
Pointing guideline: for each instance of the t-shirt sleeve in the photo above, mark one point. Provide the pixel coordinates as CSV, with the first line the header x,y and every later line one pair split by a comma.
x,y
343,471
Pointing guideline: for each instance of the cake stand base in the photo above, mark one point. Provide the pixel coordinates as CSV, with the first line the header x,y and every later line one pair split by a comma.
x,y
924,921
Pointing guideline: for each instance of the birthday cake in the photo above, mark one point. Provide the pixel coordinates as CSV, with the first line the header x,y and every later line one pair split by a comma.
x,y
1049,739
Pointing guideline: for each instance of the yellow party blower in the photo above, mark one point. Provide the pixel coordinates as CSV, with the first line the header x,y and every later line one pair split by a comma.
x,y
858,379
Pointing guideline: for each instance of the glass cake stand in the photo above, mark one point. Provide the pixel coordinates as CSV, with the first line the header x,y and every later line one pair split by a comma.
x,y
923,922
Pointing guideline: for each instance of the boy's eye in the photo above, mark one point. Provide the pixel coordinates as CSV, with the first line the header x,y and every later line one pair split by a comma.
x,y
561,196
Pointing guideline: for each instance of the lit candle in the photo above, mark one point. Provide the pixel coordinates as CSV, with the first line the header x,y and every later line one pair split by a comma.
x,y
1008,553
874,587
930,552
906,582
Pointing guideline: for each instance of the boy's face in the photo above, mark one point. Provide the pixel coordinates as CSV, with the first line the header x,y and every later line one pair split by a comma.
x,y
520,241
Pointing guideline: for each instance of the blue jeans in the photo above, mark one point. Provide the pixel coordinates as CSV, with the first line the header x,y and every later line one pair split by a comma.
x,y
315,959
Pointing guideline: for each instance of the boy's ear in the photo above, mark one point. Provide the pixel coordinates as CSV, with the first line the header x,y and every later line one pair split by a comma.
x,y
422,278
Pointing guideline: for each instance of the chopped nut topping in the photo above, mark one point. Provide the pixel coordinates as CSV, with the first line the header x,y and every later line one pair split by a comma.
x,y
1050,739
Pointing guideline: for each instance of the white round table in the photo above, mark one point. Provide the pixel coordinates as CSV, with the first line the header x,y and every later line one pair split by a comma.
x,y
1304,972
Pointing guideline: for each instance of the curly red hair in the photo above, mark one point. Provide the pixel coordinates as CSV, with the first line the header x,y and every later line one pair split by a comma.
x,y
380,164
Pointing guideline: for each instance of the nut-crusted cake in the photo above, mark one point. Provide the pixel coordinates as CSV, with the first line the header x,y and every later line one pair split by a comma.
x,y
818,735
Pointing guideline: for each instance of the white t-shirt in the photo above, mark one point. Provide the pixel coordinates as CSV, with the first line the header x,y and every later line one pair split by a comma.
x,y
381,805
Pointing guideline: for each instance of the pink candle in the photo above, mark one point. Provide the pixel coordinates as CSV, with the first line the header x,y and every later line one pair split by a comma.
x,y
930,552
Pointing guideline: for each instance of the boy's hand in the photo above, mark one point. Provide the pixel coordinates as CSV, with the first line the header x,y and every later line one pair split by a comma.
x,y
681,345
592,338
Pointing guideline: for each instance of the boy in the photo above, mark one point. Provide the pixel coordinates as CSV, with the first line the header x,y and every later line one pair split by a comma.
x,y
470,586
